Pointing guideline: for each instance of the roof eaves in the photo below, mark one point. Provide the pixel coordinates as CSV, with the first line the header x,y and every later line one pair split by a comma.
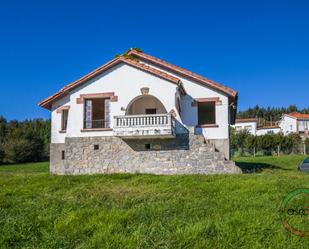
x,y
47,103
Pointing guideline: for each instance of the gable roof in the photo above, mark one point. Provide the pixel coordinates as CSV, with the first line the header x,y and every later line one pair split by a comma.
x,y
298,115
47,103
183,72
133,58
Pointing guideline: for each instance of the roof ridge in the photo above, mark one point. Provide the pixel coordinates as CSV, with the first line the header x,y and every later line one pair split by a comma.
x,y
183,71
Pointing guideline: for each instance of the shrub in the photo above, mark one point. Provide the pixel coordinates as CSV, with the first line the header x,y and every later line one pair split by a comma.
x,y
268,144
24,141
23,150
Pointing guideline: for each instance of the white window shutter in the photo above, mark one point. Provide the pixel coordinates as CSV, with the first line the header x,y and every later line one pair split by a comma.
x,y
107,113
88,114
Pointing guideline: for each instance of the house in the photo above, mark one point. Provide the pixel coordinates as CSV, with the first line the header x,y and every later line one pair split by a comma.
x,y
249,124
295,122
138,113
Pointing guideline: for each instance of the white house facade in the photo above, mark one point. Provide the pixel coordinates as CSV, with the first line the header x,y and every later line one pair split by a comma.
x,y
249,124
137,113
289,123
295,123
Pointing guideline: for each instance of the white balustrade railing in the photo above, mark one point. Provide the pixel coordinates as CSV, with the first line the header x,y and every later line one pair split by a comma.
x,y
144,125
142,120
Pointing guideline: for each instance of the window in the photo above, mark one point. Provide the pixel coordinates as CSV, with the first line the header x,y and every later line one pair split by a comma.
x,y
62,155
96,113
151,111
206,113
96,147
147,146
238,128
64,120
248,127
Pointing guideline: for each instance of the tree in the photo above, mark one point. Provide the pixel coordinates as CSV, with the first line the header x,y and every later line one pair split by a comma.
x,y
26,141
270,114
240,139
3,124
251,143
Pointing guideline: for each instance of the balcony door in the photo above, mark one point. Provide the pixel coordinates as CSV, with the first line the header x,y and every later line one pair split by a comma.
x,y
151,111
96,113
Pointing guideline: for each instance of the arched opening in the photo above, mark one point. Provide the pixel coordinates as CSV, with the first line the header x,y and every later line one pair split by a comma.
x,y
145,104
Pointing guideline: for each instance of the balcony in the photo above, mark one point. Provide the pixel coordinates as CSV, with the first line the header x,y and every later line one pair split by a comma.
x,y
144,126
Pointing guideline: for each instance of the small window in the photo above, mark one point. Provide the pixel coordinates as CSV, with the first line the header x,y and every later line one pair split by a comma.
x,y
64,120
147,146
206,113
248,127
151,111
62,154
96,147
238,128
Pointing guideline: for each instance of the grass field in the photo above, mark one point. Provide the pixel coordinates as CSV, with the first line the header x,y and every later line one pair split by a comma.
x,y
38,210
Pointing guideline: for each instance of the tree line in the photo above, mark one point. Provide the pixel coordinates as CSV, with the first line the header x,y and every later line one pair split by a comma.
x,y
28,141
269,114
24,141
244,143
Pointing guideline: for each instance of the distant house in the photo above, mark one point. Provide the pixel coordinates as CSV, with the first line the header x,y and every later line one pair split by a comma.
x,y
295,123
138,113
249,124
289,123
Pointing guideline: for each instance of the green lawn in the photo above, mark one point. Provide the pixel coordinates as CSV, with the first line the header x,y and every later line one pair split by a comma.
x,y
38,210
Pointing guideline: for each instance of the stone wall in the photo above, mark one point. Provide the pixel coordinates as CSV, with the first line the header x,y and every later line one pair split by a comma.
x,y
56,162
222,145
185,154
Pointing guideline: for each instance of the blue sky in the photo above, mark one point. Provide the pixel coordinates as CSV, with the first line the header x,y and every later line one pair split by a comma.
x,y
259,48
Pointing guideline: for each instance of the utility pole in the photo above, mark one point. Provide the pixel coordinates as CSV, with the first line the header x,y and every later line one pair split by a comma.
x,y
278,150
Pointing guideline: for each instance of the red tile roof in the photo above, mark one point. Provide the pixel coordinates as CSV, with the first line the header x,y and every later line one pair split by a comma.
x,y
245,120
183,72
298,115
47,103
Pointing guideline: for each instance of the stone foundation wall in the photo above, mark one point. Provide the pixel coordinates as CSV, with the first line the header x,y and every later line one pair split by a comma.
x,y
185,154
222,145
56,165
